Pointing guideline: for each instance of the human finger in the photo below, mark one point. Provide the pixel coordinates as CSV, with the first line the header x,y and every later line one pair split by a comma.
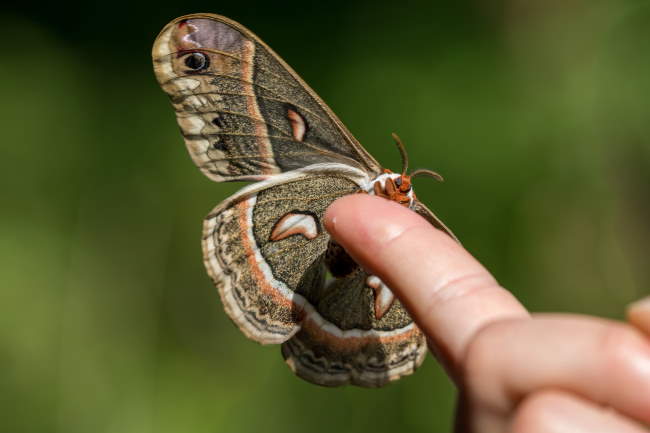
x,y
556,411
603,361
449,293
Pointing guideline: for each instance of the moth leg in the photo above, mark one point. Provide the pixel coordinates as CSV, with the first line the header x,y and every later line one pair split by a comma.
x,y
391,188
379,192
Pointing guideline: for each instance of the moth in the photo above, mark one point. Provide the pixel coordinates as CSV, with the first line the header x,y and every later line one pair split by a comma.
x,y
245,115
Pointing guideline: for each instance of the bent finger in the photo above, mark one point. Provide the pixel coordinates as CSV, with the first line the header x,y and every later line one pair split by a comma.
x,y
603,361
555,411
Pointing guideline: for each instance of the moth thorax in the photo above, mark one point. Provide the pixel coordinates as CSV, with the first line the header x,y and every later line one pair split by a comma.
x,y
388,185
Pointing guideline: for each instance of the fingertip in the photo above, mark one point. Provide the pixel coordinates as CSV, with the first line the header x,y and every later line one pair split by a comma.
x,y
333,210
363,221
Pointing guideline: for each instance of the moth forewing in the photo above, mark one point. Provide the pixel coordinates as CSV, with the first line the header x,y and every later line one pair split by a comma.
x,y
238,112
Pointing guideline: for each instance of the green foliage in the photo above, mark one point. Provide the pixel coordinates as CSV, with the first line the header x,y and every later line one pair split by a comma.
x,y
535,112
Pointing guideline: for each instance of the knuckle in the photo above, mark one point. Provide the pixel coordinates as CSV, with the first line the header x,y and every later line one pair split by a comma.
x,y
625,357
464,286
478,356
481,362
619,344
458,289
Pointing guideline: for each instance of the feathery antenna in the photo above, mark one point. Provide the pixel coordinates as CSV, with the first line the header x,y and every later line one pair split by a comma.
x,y
402,151
427,173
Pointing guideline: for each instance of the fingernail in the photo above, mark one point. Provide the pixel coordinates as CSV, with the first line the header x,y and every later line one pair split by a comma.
x,y
642,305
638,314
330,224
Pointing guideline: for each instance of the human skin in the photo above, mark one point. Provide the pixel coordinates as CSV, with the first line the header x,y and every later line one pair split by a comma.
x,y
515,371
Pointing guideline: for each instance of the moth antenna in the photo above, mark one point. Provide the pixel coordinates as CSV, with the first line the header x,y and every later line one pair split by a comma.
x,y
427,173
402,151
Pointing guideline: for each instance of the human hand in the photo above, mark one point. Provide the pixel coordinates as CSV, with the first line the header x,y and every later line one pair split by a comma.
x,y
515,372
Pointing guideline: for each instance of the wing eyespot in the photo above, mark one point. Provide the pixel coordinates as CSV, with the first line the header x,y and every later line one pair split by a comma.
x,y
197,61
218,122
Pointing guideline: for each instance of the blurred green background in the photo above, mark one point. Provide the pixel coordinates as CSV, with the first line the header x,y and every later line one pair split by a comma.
x,y
536,112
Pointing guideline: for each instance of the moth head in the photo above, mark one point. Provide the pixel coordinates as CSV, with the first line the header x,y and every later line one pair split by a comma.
x,y
403,182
